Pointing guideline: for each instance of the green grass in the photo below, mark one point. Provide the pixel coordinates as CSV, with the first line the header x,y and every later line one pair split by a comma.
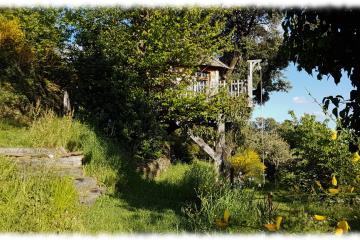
x,y
13,135
138,205
116,215
36,203
184,198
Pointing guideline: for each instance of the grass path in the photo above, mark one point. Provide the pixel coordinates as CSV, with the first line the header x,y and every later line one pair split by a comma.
x,y
140,206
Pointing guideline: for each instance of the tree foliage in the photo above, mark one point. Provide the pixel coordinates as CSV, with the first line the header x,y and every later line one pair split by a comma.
x,y
36,68
317,156
121,66
326,41
253,33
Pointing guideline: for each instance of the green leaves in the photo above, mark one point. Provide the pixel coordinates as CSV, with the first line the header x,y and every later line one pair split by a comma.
x,y
326,41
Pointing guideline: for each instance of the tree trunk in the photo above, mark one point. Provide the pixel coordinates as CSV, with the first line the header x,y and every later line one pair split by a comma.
x,y
218,155
235,59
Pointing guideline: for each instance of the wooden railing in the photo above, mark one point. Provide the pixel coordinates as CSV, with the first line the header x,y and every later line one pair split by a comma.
x,y
235,87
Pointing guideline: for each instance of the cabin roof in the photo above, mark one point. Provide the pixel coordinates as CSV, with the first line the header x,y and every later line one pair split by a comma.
x,y
214,62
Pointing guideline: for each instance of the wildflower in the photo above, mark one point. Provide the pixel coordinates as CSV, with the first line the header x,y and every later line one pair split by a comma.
x,y
352,189
338,231
270,227
223,222
273,227
319,218
226,215
343,224
334,181
333,135
333,190
355,157
278,222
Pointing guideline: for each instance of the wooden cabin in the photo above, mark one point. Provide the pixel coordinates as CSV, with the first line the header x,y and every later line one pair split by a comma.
x,y
211,77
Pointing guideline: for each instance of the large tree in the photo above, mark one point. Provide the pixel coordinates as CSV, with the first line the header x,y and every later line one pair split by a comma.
x,y
326,41
253,33
127,56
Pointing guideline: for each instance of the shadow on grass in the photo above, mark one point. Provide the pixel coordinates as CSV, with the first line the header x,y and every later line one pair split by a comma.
x,y
139,194
150,194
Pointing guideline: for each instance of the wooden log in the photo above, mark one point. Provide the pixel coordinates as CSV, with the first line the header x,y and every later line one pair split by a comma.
x,y
72,161
29,152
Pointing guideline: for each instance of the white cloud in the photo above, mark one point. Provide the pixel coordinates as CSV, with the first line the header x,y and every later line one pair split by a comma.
x,y
299,100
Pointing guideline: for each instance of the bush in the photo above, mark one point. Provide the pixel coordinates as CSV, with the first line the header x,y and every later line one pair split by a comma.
x,y
247,164
318,157
276,150
36,203
213,196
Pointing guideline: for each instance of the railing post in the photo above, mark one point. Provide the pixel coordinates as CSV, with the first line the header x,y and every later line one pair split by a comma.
x,y
252,67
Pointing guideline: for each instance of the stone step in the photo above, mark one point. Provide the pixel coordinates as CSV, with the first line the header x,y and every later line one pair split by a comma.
x,y
39,160
88,189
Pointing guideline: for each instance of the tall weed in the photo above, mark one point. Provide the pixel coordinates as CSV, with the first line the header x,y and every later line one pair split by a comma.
x,y
213,197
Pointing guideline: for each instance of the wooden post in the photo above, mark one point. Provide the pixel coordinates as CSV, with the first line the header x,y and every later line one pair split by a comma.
x,y
66,102
220,146
252,65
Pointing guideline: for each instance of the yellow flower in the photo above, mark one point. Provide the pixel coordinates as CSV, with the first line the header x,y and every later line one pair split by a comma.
x,y
334,190
334,181
355,157
319,218
333,135
270,227
350,189
273,227
338,231
278,222
343,224
223,222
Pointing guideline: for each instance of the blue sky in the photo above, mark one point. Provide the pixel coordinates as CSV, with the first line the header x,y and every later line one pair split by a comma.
x,y
298,99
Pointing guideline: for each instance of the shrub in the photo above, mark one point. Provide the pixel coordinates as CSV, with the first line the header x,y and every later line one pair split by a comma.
x,y
212,196
318,157
276,150
247,163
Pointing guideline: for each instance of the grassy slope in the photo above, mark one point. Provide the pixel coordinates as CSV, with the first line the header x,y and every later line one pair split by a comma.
x,y
141,205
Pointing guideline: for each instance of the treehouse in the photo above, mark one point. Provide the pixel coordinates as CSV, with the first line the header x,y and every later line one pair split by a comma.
x,y
209,79
212,76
